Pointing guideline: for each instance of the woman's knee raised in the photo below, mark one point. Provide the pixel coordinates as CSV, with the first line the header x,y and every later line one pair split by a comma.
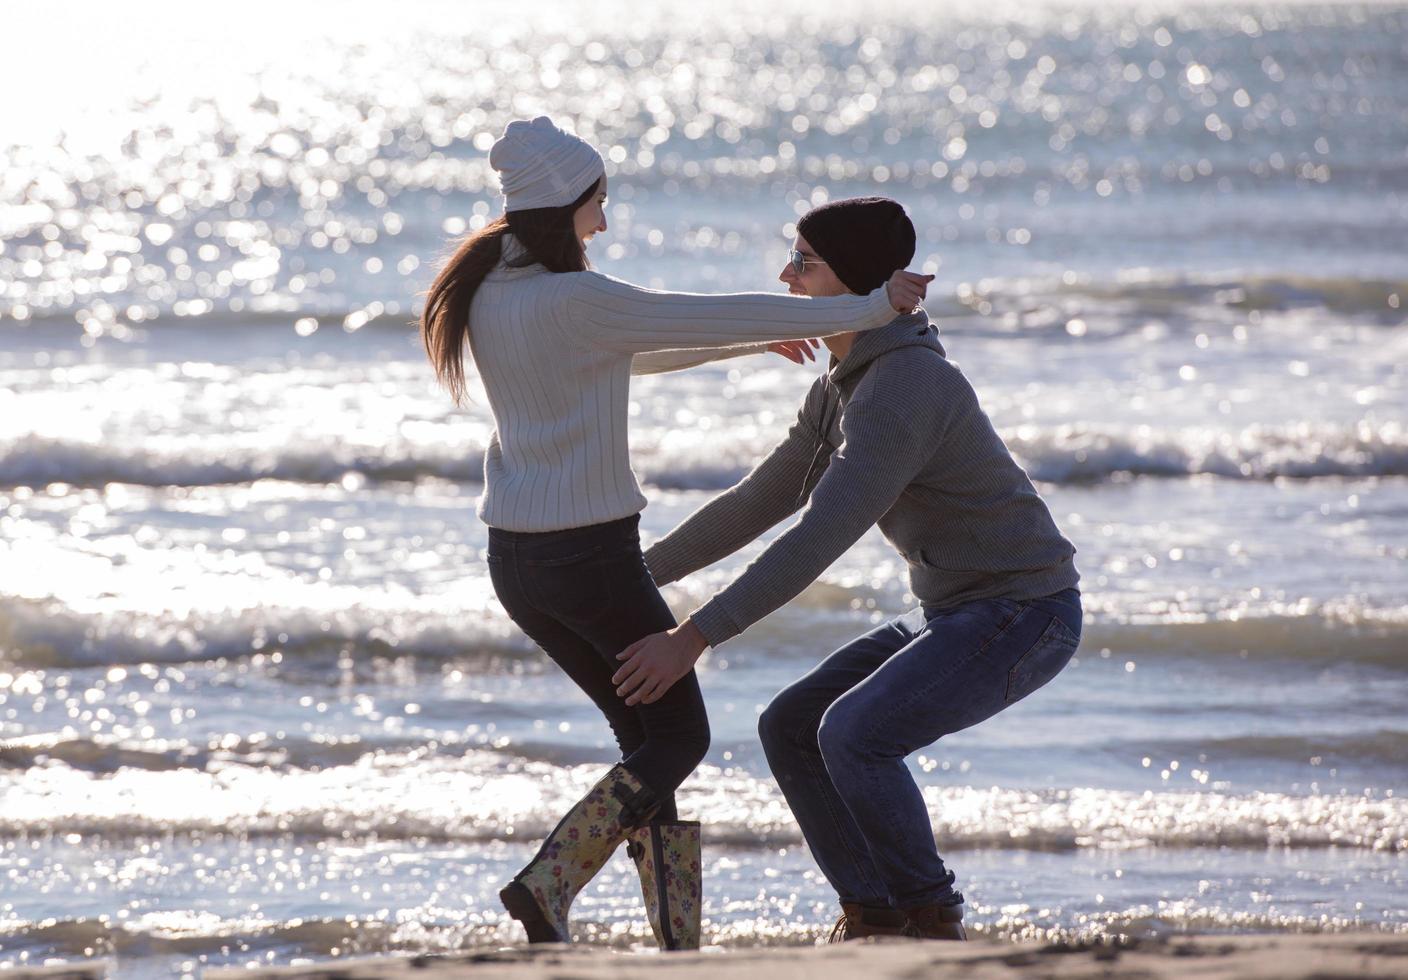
x,y
691,744
699,744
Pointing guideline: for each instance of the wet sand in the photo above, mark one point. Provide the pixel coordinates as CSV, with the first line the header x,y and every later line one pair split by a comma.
x,y
1281,956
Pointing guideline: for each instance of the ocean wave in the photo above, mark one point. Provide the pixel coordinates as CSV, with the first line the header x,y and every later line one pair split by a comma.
x,y
1079,454
101,754
106,755
45,633
351,942
1094,454
193,933
1382,747
1031,305
1067,454
1333,631
39,460
996,305
310,641
487,796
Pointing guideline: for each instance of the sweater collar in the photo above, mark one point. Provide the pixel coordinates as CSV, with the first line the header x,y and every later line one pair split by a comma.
x,y
907,330
514,251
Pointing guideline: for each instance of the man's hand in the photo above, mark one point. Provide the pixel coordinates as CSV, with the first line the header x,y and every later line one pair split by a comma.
x,y
795,350
654,663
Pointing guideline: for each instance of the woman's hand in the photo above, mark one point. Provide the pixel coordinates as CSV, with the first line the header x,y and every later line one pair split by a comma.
x,y
796,351
654,663
906,290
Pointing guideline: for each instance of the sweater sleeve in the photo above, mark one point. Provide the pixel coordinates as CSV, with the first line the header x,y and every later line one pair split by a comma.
x,y
613,315
881,454
662,361
771,492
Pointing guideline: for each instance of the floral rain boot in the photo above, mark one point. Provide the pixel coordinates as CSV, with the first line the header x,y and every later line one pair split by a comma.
x,y
541,895
667,857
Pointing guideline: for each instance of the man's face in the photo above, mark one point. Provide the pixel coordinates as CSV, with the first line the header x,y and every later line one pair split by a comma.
x,y
815,279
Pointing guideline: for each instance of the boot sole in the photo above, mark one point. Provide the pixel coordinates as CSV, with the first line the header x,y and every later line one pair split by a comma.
x,y
947,935
521,904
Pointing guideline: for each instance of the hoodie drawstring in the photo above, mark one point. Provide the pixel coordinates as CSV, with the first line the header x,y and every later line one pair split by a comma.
x,y
828,416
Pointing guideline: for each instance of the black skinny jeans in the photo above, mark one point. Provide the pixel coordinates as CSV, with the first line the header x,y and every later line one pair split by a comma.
x,y
584,595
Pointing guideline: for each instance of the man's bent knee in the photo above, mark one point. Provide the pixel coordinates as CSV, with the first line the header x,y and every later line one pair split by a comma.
x,y
841,734
781,722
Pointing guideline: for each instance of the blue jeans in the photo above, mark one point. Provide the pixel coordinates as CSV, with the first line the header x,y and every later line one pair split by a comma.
x,y
584,595
837,739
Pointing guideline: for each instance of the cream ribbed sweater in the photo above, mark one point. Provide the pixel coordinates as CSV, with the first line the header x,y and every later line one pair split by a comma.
x,y
555,351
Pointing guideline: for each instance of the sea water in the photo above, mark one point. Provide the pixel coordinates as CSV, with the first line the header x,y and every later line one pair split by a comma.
x,y
258,703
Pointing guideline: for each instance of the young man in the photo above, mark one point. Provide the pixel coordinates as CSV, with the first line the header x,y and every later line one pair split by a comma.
x,y
891,434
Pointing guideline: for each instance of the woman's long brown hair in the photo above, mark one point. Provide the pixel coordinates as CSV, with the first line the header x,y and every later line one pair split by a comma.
x,y
549,237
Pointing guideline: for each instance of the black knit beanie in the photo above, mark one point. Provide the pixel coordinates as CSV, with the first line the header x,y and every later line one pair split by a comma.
x,y
863,239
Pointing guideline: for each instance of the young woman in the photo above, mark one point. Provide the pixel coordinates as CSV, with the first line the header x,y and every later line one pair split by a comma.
x,y
555,345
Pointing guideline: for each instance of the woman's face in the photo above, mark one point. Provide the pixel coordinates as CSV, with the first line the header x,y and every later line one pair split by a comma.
x,y
591,217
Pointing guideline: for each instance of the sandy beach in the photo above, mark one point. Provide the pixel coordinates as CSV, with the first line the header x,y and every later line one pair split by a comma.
x,y
1280,956
1366,955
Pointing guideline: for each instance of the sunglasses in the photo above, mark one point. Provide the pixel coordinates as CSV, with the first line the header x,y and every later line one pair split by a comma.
x,y
799,261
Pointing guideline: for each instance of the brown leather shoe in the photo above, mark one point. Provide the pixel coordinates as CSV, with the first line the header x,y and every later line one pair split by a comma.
x,y
935,922
858,921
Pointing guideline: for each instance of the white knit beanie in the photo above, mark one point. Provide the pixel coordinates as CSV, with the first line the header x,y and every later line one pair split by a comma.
x,y
540,166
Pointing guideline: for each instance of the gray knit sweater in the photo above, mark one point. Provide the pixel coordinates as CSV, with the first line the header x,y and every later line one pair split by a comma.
x,y
892,434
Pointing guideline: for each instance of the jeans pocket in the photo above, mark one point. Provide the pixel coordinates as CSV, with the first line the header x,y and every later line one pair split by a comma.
x,y
1047,657
560,561
573,589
